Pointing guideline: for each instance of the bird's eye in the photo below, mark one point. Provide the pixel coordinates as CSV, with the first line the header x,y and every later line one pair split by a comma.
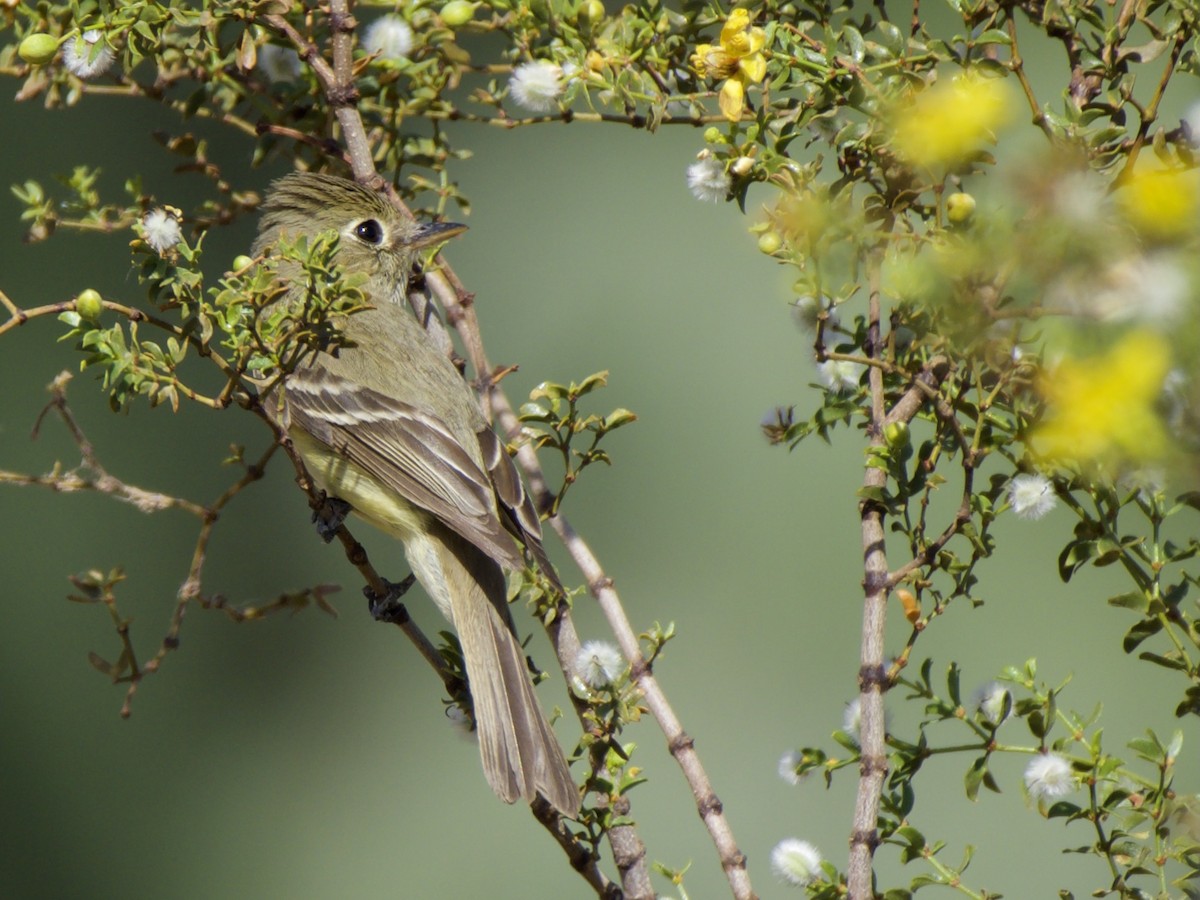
x,y
369,230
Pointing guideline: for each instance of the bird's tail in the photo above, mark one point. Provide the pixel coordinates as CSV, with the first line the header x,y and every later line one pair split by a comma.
x,y
521,756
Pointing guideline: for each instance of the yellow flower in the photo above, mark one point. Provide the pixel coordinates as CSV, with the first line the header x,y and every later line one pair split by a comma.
x,y
1102,408
738,59
802,217
1161,204
948,122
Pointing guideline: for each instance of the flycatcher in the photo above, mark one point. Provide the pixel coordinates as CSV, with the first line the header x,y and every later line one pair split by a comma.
x,y
389,426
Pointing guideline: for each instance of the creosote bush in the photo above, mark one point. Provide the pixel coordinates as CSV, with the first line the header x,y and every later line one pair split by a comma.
x,y
996,273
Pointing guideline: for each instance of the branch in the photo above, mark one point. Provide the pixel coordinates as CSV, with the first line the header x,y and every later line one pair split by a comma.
x,y
337,82
462,314
864,836
100,480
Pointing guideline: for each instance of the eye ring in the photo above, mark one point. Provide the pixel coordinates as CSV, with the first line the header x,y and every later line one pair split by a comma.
x,y
370,231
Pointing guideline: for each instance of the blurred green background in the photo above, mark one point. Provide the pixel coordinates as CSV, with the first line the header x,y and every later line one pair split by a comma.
x,y
309,757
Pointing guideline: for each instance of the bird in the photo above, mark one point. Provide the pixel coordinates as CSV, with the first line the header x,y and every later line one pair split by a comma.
x,y
388,425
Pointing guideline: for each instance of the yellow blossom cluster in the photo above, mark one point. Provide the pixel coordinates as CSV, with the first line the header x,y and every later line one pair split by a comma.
x,y
738,58
948,122
1101,409
1161,204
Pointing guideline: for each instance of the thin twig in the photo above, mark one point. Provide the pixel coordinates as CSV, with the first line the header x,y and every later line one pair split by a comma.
x,y
95,477
1150,113
733,861
337,81
582,861
1017,65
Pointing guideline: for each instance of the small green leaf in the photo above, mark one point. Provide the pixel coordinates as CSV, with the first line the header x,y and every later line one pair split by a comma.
x,y
617,418
1167,661
993,36
1135,600
589,384
952,683
975,777
1139,632
548,390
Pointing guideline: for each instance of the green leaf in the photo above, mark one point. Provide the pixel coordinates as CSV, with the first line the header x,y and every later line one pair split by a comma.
x,y
1037,724
1144,53
617,418
532,412
975,777
589,384
1074,556
1176,745
1063,809
1148,749
1139,632
952,683
1135,600
891,37
847,742
1168,661
993,36
854,42
548,390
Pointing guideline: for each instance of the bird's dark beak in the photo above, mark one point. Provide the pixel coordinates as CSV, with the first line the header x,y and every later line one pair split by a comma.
x,y
435,233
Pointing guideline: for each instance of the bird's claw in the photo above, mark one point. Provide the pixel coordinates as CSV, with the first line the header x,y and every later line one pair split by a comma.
x,y
387,607
329,516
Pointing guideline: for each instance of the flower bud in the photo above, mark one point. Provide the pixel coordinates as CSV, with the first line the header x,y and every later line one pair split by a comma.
x,y
769,242
592,12
713,135
89,305
242,262
742,166
912,606
959,207
896,434
38,49
457,13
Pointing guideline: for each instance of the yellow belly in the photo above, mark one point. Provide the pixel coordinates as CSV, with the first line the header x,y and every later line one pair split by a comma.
x,y
338,477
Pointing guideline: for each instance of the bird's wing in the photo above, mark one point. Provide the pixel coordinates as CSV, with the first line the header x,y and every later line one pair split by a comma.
x,y
406,449
516,506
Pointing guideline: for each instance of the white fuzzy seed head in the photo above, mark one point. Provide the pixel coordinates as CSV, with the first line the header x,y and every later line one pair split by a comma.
x,y
599,664
796,862
807,310
991,700
1154,288
840,375
852,718
87,55
161,230
1049,776
1192,119
389,37
707,180
279,63
1031,496
536,85
787,767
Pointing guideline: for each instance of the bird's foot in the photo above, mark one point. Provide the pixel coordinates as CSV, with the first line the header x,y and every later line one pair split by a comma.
x,y
387,607
330,516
